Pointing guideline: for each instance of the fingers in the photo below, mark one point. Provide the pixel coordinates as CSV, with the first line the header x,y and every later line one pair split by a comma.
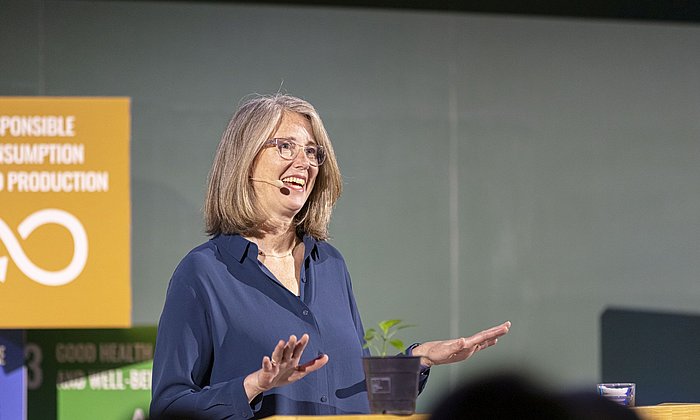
x,y
300,346
490,343
268,365
488,338
314,364
278,353
288,350
286,354
455,350
498,331
485,344
489,334
482,339
282,366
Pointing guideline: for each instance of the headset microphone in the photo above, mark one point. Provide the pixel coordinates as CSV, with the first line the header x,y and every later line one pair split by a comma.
x,y
275,183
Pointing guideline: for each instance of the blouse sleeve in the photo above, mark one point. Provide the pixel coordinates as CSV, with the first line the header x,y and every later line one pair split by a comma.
x,y
355,314
183,358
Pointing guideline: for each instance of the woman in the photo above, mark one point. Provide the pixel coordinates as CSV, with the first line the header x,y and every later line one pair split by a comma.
x,y
261,319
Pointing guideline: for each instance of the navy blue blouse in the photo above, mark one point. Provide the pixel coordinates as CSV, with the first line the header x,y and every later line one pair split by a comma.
x,y
224,311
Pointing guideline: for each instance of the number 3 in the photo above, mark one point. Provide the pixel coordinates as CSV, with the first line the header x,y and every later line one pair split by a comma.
x,y
33,358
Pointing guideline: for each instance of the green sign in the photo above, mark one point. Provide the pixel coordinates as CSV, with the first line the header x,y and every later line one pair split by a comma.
x,y
89,374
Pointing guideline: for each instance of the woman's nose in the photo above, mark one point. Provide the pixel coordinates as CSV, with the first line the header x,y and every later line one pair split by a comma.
x,y
301,160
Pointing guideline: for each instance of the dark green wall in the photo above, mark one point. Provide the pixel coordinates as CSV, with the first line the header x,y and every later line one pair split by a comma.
x,y
531,169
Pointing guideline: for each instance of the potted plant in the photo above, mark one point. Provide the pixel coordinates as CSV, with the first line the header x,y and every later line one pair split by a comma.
x,y
392,381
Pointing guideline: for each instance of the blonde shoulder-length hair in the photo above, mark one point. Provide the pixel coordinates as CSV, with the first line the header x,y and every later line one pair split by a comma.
x,y
231,205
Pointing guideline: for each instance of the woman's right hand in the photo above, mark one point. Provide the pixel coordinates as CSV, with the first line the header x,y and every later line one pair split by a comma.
x,y
282,367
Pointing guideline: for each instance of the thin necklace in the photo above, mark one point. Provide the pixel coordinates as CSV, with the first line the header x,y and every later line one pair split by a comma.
x,y
288,254
263,254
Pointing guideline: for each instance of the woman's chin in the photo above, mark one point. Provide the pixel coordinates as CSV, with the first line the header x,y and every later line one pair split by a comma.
x,y
289,210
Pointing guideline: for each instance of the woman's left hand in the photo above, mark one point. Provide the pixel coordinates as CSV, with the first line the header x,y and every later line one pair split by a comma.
x,y
455,350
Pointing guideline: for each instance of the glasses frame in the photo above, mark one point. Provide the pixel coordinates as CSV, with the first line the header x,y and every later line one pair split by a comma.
x,y
296,146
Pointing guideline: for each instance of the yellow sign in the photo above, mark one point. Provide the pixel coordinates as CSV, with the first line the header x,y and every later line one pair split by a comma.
x,y
65,212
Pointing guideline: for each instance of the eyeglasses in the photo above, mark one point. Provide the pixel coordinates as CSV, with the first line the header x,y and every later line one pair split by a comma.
x,y
289,150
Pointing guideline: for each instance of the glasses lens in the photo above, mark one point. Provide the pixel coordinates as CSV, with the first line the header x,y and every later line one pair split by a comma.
x,y
286,148
320,155
311,154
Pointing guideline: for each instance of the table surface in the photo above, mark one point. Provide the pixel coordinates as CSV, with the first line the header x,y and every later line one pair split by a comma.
x,y
674,411
668,411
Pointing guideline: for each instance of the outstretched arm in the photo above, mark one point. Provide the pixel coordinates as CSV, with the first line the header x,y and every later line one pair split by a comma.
x,y
458,349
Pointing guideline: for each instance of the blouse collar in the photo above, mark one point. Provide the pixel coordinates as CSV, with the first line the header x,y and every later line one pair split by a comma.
x,y
239,248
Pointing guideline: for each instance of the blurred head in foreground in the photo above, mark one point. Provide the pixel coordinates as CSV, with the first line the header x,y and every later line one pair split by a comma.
x,y
511,396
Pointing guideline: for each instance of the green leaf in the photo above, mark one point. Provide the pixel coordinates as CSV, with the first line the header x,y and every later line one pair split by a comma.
x,y
379,340
385,325
398,344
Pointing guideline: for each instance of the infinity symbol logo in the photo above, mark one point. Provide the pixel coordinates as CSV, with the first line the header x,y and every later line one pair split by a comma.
x,y
28,225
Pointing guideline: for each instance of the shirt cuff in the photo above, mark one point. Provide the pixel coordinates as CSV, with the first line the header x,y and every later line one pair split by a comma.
x,y
424,370
256,403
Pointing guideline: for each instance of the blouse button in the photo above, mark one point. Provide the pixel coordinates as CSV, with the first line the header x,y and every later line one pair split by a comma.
x,y
324,398
305,312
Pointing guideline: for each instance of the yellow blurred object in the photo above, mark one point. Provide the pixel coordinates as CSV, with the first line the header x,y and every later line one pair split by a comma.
x,y
666,411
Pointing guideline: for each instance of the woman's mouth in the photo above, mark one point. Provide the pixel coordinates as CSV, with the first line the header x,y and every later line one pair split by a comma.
x,y
294,183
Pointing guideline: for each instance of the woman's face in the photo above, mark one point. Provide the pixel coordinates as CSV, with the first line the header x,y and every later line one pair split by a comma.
x,y
298,175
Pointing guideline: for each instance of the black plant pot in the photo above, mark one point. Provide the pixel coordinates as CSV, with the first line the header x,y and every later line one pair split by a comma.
x,y
392,384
